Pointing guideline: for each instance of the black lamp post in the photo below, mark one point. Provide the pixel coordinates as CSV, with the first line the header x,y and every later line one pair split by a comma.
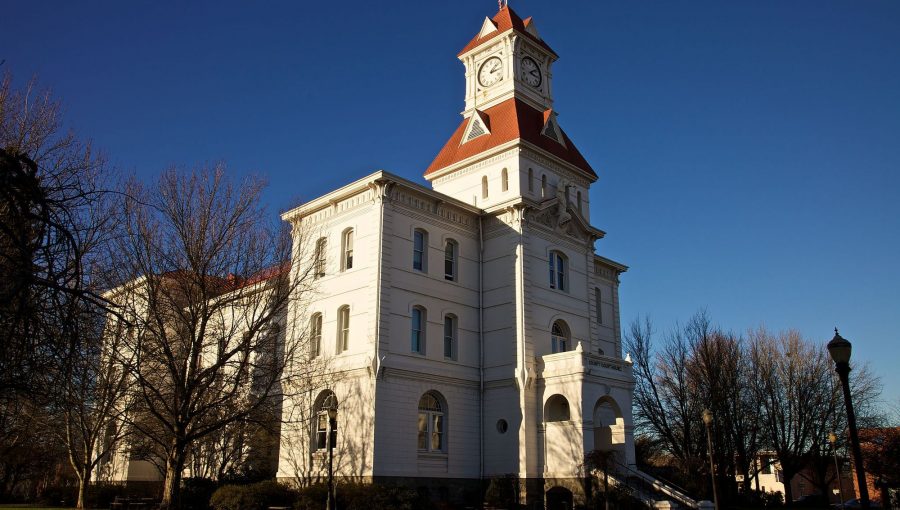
x,y
832,438
332,427
707,420
840,348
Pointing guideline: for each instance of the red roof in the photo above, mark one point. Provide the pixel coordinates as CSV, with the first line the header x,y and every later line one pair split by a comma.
x,y
505,20
507,121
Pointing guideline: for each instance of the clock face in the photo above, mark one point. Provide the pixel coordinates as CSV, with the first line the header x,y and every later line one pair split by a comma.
x,y
491,72
531,72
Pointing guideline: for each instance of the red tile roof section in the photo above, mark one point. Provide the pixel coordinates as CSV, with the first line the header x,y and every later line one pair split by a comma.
x,y
504,20
507,121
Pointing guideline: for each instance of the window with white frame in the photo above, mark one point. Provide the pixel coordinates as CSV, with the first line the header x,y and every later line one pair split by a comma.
x,y
560,338
315,334
319,258
417,334
450,336
431,423
558,266
347,250
504,180
420,250
343,338
324,402
451,252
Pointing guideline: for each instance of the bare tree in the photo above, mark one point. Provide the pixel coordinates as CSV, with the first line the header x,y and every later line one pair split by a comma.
x,y
206,283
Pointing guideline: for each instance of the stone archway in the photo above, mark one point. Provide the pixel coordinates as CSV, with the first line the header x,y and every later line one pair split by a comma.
x,y
609,428
559,498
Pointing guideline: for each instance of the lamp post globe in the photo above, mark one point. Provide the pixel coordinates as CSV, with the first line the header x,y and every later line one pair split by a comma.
x,y
707,416
840,348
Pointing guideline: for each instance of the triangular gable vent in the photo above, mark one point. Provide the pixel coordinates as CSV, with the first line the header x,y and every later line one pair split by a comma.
x,y
551,128
477,127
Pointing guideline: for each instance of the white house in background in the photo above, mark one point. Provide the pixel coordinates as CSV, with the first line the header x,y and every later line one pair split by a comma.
x,y
473,329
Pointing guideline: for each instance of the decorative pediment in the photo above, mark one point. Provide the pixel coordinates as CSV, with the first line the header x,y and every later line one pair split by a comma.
x,y
564,219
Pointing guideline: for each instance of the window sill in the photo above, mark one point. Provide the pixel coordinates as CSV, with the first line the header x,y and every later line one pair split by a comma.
x,y
423,454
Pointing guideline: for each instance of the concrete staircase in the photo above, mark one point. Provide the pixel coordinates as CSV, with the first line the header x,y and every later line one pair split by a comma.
x,y
654,492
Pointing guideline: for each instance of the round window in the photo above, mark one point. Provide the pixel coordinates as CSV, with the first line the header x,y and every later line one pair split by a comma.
x,y
502,426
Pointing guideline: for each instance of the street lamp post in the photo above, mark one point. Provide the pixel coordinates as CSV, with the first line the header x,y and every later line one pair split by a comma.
x,y
840,348
832,438
707,420
330,503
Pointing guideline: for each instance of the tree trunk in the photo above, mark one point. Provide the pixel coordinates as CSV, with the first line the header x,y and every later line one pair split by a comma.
x,y
788,490
84,479
174,469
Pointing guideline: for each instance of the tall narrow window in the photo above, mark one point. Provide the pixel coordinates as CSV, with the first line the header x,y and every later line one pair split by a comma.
x,y
319,258
347,252
597,299
417,337
484,187
325,401
420,243
315,335
579,201
343,340
451,252
531,180
450,336
558,270
543,186
559,337
504,180
431,424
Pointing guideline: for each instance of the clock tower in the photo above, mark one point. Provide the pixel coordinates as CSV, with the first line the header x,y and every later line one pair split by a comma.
x,y
509,146
507,59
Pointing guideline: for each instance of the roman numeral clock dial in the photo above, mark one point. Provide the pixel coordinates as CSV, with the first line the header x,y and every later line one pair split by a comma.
x,y
491,72
531,72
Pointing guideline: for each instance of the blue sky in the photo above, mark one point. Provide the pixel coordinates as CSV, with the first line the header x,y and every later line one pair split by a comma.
x,y
748,152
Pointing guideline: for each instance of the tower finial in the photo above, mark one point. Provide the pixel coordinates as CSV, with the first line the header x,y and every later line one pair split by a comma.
x,y
501,4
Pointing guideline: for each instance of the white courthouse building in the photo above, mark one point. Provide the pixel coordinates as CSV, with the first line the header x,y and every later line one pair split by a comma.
x,y
476,328
471,327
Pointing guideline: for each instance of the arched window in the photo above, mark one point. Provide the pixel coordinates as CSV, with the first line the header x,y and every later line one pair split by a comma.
x,y
543,186
559,270
319,258
417,337
420,250
484,187
325,401
560,338
504,180
343,331
451,251
315,334
431,423
347,250
450,328
556,409
531,180
579,200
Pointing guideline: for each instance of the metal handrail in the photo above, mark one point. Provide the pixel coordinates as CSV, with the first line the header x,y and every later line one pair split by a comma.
x,y
653,483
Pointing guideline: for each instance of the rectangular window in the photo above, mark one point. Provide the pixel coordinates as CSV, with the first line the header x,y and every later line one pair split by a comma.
x,y
437,433
597,298
449,335
450,261
419,250
316,335
321,431
319,259
423,431
343,328
560,273
348,250
417,337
